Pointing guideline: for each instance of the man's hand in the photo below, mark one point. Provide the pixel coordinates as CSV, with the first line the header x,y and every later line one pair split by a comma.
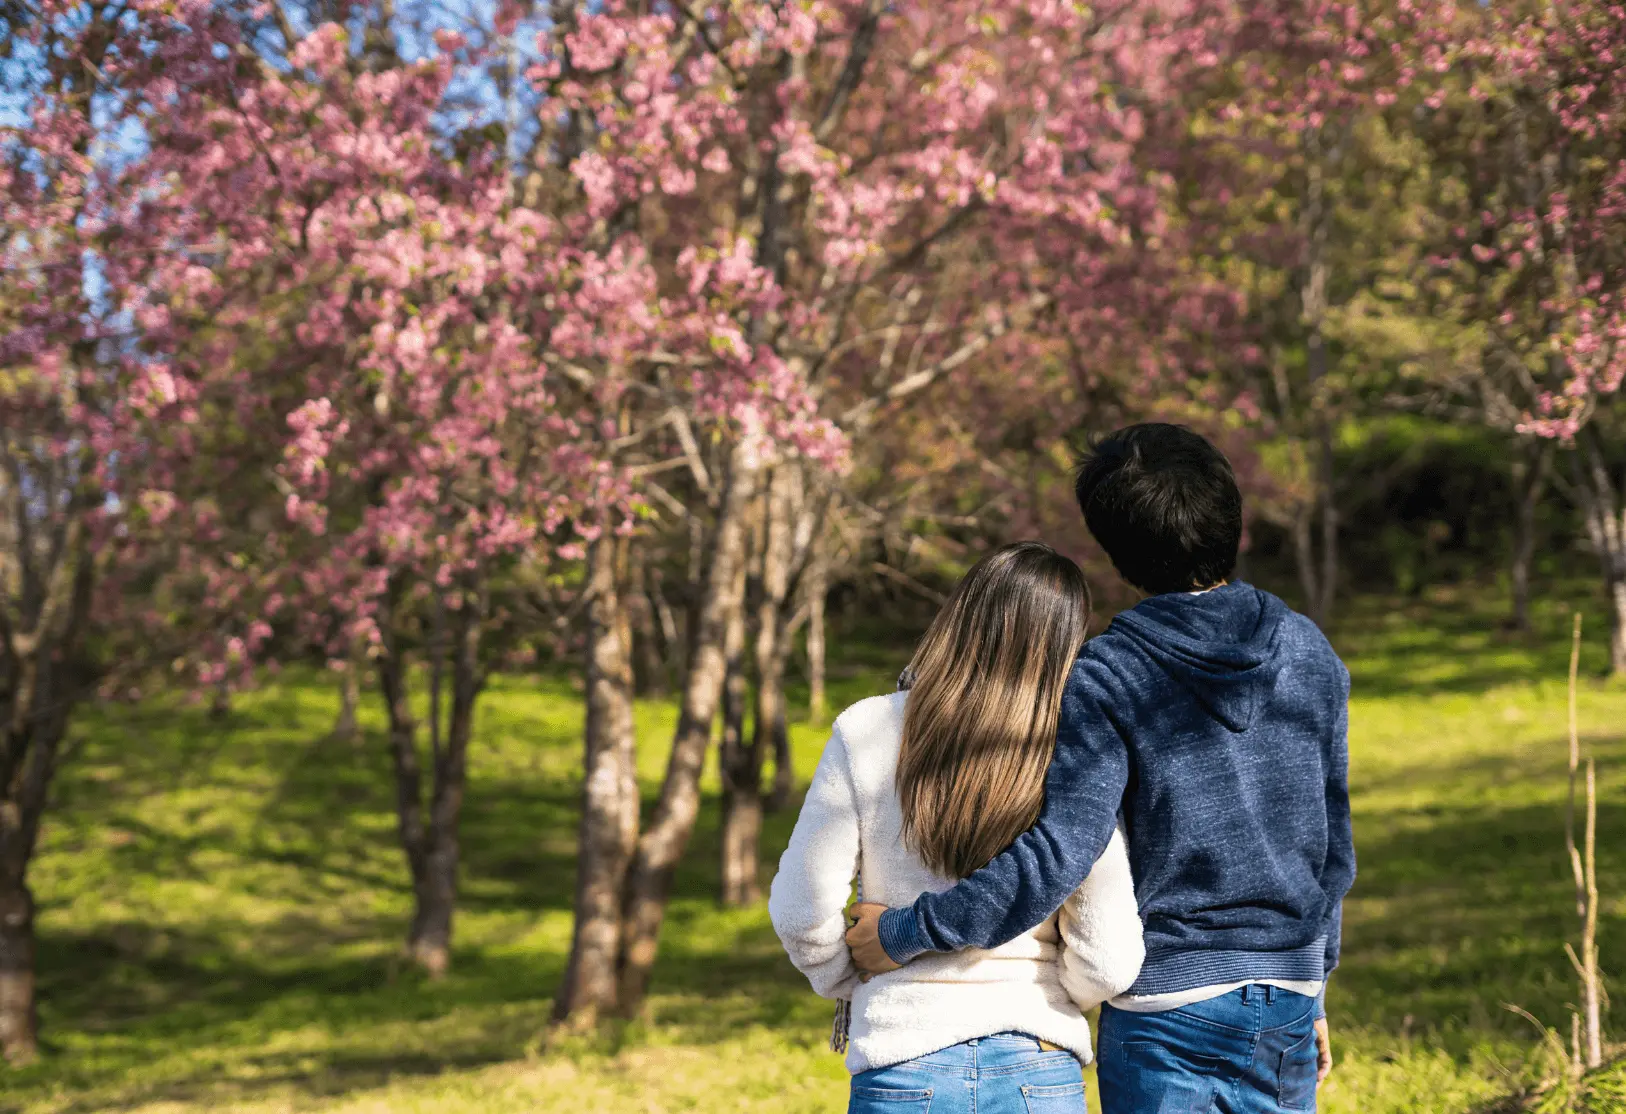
x,y
1323,1048
864,941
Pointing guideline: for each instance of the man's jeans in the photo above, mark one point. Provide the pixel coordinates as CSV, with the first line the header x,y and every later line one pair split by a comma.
x,y
1251,1051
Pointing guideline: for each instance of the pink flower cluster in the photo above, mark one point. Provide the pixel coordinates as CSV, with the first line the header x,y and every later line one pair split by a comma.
x,y
351,357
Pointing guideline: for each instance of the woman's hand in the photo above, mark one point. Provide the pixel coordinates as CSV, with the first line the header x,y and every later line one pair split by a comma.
x,y
1323,1048
864,939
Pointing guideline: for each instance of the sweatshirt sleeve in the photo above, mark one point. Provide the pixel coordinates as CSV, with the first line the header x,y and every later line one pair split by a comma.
x,y
807,900
1101,931
1339,873
1028,881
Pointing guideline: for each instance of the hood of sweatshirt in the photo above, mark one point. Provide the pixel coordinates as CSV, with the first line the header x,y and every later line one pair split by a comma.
x,y
1221,644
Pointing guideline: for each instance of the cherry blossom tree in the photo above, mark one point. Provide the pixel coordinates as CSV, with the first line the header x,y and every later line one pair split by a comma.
x,y
868,201
342,358
377,306
1315,209
89,425
1533,253
455,364
369,369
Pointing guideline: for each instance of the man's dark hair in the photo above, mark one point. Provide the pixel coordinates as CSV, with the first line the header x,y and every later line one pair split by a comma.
x,y
1164,504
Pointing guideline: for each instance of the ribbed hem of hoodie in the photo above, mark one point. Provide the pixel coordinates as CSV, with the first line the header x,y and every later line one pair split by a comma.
x,y
1175,970
900,934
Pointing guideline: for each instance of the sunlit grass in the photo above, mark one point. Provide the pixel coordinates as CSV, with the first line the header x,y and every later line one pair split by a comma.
x,y
222,903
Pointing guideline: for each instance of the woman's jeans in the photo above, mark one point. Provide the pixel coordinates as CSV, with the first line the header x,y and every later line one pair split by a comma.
x,y
1251,1051
1008,1073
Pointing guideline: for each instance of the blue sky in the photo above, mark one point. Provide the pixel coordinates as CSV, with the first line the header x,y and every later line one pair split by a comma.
x,y
474,99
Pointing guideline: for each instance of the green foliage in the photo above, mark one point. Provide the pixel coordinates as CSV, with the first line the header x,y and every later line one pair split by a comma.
x,y
221,903
1423,503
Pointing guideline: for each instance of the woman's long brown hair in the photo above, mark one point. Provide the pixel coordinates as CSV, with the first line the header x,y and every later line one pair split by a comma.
x,y
980,723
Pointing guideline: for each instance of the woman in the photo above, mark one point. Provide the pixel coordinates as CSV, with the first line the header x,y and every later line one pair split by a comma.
x,y
922,787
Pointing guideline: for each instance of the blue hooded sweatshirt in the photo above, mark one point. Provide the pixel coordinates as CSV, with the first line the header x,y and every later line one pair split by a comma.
x,y
1215,724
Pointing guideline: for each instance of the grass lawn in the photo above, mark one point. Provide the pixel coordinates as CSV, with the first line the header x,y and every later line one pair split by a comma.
x,y
222,904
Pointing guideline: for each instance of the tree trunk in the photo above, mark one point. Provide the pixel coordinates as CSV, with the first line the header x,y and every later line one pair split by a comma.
x,y
1304,557
434,893
742,831
19,1022
671,637
32,742
47,573
818,588
1529,484
1328,499
650,675
1617,632
790,554
345,729
733,756
1321,587
41,678
694,595
220,701
650,878
742,794
1604,509
431,842
609,822
784,771
1315,551
403,729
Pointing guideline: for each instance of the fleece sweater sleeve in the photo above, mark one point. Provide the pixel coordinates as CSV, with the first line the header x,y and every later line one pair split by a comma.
x,y
809,894
1339,873
1028,881
1101,931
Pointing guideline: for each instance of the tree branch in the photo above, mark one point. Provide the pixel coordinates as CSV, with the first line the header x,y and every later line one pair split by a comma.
x,y
861,414
852,71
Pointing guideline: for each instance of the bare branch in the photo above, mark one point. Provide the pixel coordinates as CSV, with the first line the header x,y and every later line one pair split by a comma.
x,y
577,374
665,499
670,465
909,582
285,27
691,451
861,414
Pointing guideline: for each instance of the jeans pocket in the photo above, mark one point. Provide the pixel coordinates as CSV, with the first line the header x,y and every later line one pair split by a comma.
x,y
889,1100
1150,1077
1296,1079
1065,1098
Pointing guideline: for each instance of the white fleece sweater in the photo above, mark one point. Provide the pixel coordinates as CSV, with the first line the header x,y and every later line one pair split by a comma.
x,y
851,822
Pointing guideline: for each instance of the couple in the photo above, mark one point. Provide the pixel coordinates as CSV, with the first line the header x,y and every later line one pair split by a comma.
x,y
1155,821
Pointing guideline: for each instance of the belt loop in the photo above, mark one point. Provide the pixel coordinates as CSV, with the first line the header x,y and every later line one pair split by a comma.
x,y
1244,994
1270,996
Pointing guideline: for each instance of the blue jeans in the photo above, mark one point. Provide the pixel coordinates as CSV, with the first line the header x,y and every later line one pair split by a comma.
x,y
1251,1051
1008,1073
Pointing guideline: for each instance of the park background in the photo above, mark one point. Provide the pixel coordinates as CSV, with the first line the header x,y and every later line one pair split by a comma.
x,y
455,459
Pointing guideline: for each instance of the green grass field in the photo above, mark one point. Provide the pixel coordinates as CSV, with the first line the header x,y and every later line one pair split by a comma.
x,y
222,904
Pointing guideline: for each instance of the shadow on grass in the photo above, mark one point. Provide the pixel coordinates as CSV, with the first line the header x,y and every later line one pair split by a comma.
x,y
1461,905
1459,911
294,1010
339,1076
294,836
1456,641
